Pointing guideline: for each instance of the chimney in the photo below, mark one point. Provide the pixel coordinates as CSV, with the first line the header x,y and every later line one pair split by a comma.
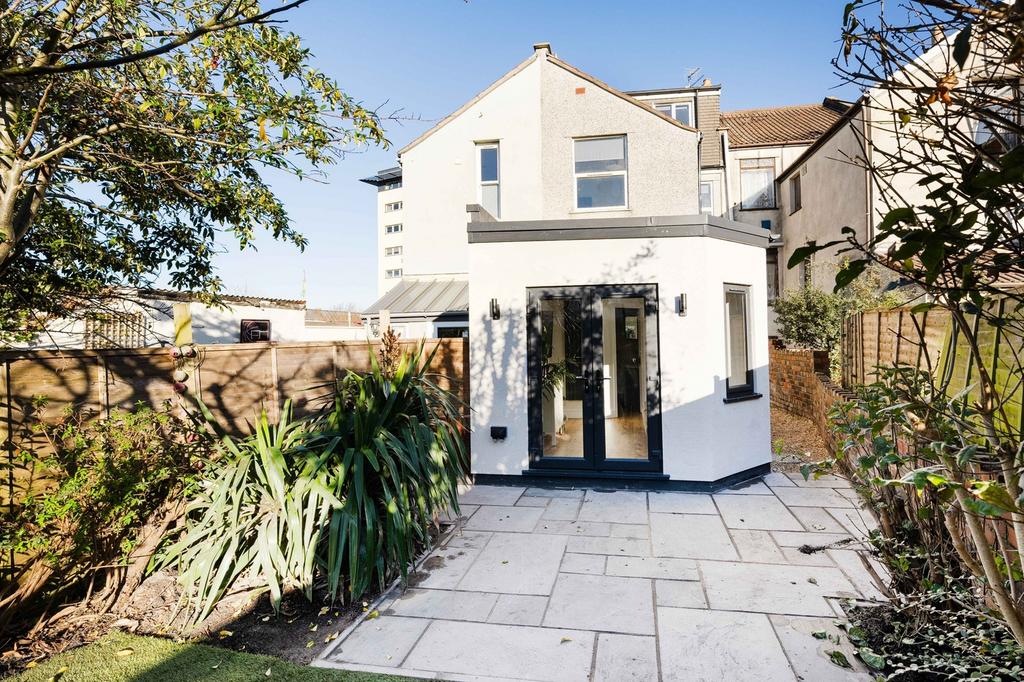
x,y
937,35
542,47
706,84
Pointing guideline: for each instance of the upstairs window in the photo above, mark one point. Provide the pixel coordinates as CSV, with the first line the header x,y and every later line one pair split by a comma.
x,y
682,112
707,198
393,206
600,172
757,183
739,376
489,175
393,229
393,251
394,273
795,200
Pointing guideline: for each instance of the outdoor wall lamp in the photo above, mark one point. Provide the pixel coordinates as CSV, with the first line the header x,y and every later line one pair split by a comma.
x,y
495,310
681,305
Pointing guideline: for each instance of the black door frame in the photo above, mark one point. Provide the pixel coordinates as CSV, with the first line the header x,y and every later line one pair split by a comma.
x,y
592,354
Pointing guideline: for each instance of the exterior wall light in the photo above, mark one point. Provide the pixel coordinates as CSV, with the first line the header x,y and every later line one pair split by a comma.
x,y
681,305
495,310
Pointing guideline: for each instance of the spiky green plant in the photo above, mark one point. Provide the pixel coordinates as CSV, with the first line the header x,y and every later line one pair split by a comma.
x,y
347,495
400,459
261,511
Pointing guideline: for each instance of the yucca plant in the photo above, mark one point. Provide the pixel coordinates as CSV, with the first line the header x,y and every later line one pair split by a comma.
x,y
398,459
261,512
344,498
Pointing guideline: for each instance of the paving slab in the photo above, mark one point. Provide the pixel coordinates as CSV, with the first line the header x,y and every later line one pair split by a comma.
x,y
562,509
449,604
509,651
609,546
857,522
518,609
506,519
620,506
811,497
465,511
491,494
757,546
794,590
817,520
382,641
775,479
713,646
691,536
470,539
795,557
598,529
681,503
630,530
516,563
444,568
850,562
809,655
625,658
555,492
756,512
527,501
754,487
826,481
680,593
652,567
800,538
601,602
583,563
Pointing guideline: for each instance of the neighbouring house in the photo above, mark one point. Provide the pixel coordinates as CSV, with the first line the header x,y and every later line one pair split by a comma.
x,y
139,318
615,330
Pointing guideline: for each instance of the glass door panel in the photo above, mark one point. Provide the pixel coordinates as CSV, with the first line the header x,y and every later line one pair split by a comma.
x,y
562,381
624,378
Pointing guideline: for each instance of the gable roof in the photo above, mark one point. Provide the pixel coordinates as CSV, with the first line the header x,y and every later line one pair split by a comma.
x,y
542,51
796,124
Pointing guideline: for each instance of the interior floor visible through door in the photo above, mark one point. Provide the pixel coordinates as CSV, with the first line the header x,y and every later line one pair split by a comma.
x,y
625,438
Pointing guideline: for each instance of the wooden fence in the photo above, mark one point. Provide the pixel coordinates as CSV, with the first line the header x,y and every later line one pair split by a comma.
x,y
235,381
929,341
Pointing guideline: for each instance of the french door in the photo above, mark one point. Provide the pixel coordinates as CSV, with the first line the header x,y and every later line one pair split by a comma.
x,y
594,381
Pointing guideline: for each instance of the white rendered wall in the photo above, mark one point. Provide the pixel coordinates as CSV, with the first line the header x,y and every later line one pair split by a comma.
x,y
704,439
534,116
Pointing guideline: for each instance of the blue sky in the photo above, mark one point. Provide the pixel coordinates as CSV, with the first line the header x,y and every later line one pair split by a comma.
x,y
427,57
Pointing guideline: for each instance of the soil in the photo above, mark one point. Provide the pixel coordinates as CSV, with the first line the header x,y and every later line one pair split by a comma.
x,y
795,441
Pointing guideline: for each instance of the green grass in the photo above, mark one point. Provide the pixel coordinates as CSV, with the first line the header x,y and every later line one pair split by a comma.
x,y
153,659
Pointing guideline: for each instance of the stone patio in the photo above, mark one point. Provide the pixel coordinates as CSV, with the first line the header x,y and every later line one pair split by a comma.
x,y
571,584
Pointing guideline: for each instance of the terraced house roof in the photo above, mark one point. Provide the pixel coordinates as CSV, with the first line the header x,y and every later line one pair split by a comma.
x,y
801,123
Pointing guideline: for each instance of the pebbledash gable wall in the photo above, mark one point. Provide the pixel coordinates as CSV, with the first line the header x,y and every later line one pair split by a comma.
x,y
800,384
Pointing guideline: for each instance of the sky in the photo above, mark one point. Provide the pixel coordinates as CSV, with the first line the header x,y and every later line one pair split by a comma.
x,y
425,58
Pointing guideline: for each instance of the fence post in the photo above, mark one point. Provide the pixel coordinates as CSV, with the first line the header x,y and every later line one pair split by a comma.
x,y
102,388
275,397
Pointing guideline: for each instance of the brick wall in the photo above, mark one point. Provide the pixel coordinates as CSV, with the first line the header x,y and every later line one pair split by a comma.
x,y
800,384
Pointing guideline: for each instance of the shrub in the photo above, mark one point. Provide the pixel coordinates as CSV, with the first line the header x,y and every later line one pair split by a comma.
x,y
347,495
110,479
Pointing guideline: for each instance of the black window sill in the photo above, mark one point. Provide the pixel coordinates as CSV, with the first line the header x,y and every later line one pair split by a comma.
x,y
741,398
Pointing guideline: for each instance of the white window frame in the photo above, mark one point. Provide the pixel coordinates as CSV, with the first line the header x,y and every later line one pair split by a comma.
x,y
711,195
480,183
774,195
603,174
393,250
392,206
747,389
393,273
394,228
672,111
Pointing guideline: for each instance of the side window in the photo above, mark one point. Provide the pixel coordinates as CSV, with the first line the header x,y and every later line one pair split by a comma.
x,y
757,183
254,331
599,165
739,379
707,199
795,199
488,172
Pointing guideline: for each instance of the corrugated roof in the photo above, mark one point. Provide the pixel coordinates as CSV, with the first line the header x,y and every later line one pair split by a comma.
x,y
256,301
782,125
384,177
424,296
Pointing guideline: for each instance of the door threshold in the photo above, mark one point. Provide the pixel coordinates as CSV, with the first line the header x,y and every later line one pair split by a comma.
x,y
622,480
